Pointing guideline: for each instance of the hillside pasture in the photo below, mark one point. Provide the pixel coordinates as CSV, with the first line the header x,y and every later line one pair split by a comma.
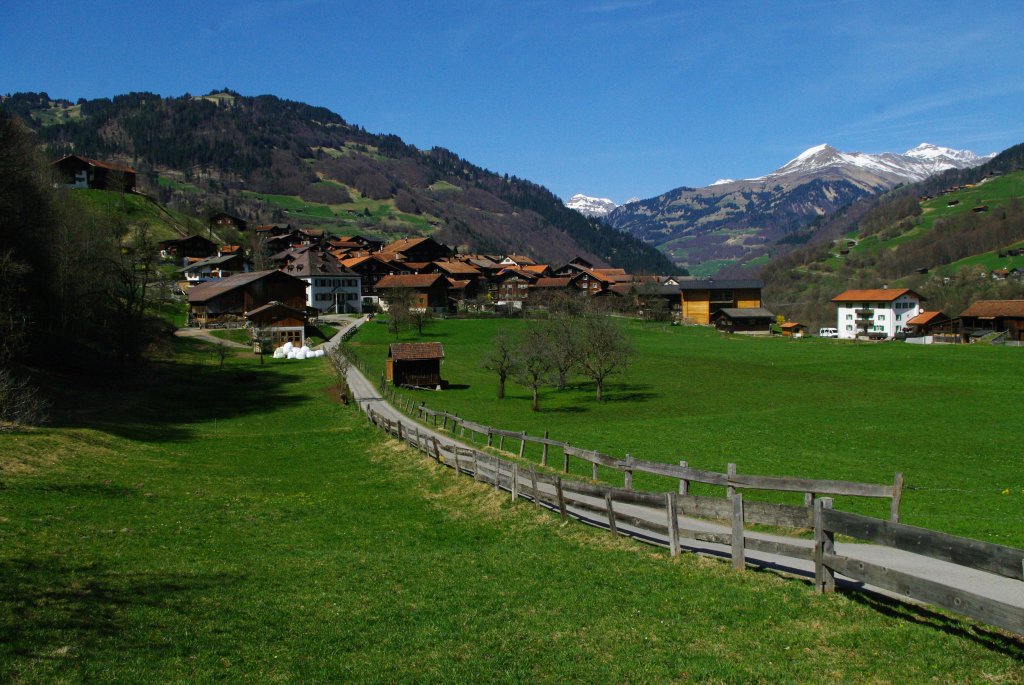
x,y
943,416
257,531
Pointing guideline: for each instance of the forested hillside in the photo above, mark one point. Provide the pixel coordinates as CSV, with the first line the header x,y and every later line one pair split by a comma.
x,y
272,160
949,237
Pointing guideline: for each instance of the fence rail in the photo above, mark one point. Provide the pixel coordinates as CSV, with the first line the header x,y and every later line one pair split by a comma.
x,y
654,517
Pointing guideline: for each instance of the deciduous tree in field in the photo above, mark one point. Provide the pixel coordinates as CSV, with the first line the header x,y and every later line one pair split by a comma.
x,y
501,360
534,365
604,349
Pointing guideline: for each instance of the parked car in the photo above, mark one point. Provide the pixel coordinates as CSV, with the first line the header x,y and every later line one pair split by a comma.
x,y
828,332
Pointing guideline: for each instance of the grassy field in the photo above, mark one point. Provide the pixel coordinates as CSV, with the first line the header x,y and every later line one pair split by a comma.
x,y
257,531
944,416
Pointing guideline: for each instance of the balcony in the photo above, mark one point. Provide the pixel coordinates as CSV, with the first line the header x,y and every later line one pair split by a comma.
x,y
864,313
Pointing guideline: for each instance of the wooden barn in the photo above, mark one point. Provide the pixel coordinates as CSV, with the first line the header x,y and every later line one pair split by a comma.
x,y
280,322
986,316
84,172
793,329
415,364
230,298
746,320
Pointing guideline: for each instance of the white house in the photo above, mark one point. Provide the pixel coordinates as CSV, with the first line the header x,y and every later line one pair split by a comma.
x,y
880,313
330,287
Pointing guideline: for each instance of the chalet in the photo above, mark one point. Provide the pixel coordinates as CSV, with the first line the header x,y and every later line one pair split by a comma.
x,y
793,329
927,323
213,268
223,220
755,320
230,298
879,313
329,286
517,261
426,291
415,364
419,249
84,172
278,322
371,269
985,316
511,288
195,246
700,299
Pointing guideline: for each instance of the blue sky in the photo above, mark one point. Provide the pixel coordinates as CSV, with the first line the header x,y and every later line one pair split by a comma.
x,y
614,98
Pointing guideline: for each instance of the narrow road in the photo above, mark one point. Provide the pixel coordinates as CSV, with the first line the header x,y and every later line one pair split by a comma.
x,y
984,584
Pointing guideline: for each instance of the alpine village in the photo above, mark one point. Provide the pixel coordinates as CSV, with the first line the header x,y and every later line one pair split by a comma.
x,y
742,371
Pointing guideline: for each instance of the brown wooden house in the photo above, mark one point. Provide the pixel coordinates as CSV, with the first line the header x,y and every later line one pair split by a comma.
x,y
192,246
230,298
281,323
84,172
427,291
994,316
415,364
743,320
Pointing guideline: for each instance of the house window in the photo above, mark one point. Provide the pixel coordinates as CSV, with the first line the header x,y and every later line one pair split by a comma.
x,y
849,317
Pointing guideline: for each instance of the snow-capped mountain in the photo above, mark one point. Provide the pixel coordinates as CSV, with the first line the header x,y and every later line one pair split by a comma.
x,y
732,221
913,165
591,206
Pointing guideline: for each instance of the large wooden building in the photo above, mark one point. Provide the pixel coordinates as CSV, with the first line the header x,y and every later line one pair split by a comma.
x,y
986,316
230,298
85,172
702,299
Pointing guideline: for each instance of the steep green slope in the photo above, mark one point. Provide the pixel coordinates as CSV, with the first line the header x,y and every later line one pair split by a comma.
x,y
268,159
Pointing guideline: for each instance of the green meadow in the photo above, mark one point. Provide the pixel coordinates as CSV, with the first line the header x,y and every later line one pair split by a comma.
x,y
199,525
944,416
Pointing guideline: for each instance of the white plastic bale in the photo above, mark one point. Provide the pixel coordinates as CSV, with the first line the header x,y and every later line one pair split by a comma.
x,y
279,353
287,347
290,355
306,349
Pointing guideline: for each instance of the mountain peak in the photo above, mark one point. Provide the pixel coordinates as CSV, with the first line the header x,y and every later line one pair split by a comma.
x,y
591,206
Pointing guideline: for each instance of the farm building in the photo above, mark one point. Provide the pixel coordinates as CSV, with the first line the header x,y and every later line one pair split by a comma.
x,y
927,323
994,316
84,172
702,299
425,291
192,246
793,329
280,323
415,364
230,298
745,320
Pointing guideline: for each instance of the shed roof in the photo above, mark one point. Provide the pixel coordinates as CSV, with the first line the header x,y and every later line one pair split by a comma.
x,y
409,281
746,313
715,284
211,289
412,351
993,308
925,318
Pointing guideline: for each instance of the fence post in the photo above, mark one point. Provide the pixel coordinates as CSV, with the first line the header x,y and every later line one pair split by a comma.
x,y
824,543
737,533
490,437
419,410
561,497
522,445
501,442
399,422
515,482
455,456
684,485
497,474
533,484
437,452
897,495
628,473
565,461
808,499
730,474
673,524
544,455
593,469
612,528
476,467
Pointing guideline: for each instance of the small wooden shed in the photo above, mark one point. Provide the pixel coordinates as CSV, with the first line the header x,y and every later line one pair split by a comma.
x,y
793,329
415,364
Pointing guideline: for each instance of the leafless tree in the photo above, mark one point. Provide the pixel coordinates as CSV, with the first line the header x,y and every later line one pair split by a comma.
x,y
340,364
533,364
501,360
604,349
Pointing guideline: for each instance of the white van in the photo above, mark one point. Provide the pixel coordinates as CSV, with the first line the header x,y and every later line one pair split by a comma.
x,y
828,332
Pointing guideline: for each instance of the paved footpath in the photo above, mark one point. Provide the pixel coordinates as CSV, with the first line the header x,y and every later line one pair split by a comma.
x,y
980,583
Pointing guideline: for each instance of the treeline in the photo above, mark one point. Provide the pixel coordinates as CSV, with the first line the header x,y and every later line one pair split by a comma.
x,y
74,284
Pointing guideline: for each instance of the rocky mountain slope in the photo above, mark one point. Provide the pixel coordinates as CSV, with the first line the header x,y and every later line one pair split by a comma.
x,y
735,222
591,206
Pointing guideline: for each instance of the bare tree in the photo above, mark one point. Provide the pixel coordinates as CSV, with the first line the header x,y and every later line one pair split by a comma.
x,y
561,340
340,364
605,350
399,309
533,364
501,360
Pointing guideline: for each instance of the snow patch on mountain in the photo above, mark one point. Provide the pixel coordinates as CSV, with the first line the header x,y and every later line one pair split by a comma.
x,y
591,206
722,182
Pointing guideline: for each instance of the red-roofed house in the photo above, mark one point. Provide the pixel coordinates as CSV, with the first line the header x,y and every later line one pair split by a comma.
x,y
877,313
426,291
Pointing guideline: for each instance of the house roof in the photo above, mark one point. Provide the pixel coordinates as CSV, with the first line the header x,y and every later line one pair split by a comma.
x,y
412,351
715,284
563,282
925,318
994,308
409,281
457,268
274,305
748,313
212,261
876,295
211,289
792,325
311,263
112,166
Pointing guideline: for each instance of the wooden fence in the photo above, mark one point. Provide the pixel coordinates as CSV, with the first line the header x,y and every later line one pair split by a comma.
x,y
654,517
687,476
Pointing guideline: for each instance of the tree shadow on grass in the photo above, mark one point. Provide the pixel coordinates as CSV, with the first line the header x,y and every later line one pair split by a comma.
x,y
162,404
59,611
